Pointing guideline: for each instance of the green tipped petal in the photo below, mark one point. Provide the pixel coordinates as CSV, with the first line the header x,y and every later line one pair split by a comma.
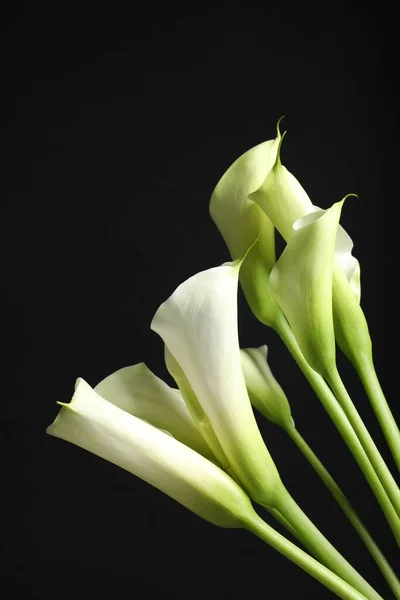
x,y
102,428
198,324
266,395
301,282
282,198
138,391
241,221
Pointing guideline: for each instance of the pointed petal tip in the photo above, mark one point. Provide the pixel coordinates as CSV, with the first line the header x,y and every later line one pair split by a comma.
x,y
278,130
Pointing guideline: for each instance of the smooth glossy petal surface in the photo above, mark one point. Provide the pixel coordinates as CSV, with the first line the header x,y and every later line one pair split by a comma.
x,y
266,395
198,324
194,407
343,251
102,428
139,392
283,199
302,284
241,221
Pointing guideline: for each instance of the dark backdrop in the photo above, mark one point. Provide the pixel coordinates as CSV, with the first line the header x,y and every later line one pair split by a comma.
x,y
116,125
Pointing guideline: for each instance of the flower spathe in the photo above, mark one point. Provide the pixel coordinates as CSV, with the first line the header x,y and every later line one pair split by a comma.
x,y
241,221
198,324
301,282
194,407
100,427
139,392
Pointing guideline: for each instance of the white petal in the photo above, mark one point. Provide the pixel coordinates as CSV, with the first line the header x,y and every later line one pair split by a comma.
x,y
139,392
348,262
102,428
198,324
196,410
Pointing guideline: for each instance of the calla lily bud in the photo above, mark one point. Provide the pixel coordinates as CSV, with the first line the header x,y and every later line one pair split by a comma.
x,y
198,324
266,395
301,282
138,391
96,425
241,222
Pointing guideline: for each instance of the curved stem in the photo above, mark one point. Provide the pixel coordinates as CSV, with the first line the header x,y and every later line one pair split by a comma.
x,y
366,440
342,424
320,547
343,590
366,371
349,511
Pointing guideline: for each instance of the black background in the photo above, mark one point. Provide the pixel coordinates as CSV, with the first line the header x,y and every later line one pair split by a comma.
x,y
116,126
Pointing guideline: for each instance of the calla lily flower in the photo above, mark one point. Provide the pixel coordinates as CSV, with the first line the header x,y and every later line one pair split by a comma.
x,y
233,207
301,282
94,424
198,324
104,429
265,393
138,391
241,221
284,201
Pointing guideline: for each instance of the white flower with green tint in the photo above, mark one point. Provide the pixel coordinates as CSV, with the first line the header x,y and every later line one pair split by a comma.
x,y
104,429
198,324
139,392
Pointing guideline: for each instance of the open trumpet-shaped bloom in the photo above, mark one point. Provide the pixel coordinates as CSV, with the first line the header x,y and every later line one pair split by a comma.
x,y
198,324
100,427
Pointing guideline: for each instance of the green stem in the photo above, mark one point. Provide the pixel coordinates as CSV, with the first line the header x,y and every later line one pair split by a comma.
x,y
342,424
349,511
343,590
320,547
366,440
366,371
277,515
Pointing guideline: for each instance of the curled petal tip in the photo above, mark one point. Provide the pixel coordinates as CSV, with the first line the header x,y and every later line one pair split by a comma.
x,y
278,130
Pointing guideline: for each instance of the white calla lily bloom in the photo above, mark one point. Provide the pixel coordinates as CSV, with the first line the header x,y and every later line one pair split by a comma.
x,y
198,324
139,392
100,427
